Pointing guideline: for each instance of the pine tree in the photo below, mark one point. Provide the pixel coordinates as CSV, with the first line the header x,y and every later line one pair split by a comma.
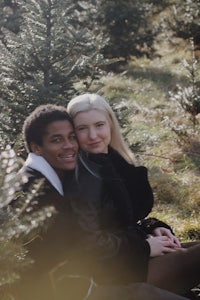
x,y
53,51
128,26
9,16
186,20
17,222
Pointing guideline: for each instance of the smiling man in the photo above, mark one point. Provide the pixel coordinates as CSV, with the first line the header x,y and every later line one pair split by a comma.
x,y
50,140
52,149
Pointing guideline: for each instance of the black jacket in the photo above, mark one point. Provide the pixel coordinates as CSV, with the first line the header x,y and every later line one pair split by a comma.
x,y
49,243
110,197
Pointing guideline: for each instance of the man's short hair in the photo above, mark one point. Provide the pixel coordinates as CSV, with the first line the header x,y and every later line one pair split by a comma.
x,y
36,123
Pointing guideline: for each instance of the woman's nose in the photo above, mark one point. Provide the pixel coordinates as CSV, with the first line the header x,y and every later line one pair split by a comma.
x,y
92,133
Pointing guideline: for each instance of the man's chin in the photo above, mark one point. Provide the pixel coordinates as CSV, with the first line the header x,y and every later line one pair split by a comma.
x,y
69,167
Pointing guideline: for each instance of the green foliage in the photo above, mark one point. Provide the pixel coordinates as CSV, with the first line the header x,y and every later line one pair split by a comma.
x,y
43,62
17,221
189,96
9,16
57,49
128,27
185,19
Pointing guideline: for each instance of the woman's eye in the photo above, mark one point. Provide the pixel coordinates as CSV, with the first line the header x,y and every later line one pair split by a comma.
x,y
80,128
100,124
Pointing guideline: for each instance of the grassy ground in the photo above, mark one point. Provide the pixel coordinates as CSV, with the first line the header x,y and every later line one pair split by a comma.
x,y
140,93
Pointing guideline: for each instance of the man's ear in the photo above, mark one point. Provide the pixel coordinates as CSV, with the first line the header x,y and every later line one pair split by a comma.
x,y
35,148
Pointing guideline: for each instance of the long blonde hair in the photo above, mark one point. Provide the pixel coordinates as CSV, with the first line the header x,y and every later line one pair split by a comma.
x,y
88,102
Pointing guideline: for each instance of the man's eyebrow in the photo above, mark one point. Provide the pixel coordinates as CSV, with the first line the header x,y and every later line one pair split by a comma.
x,y
56,135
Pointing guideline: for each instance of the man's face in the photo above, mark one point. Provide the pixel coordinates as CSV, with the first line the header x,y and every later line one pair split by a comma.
x,y
59,146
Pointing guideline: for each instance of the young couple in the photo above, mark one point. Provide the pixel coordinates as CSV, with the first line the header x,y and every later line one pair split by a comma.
x,y
101,231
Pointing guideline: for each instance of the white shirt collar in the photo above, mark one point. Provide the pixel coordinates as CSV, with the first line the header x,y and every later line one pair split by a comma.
x,y
39,164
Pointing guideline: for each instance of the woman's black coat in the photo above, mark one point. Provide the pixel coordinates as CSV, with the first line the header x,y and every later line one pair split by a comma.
x,y
111,201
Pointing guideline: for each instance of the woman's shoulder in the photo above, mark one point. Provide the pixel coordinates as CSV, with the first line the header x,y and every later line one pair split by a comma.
x,y
121,164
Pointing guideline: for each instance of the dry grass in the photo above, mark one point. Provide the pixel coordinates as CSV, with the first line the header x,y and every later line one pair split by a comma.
x,y
173,161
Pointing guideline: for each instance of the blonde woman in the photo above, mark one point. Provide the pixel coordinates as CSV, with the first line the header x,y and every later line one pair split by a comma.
x,y
156,254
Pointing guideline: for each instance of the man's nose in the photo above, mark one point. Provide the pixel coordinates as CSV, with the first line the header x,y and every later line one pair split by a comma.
x,y
67,144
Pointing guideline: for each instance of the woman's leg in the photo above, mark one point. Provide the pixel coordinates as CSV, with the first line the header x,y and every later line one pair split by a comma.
x,y
190,244
137,291
177,272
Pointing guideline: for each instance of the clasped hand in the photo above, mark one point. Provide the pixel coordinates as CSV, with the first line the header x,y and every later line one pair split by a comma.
x,y
162,241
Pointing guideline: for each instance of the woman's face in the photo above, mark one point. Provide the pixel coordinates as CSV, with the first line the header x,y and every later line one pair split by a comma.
x,y
93,131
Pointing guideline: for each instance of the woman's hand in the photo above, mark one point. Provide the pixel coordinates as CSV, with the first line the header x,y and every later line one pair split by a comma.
x,y
160,245
162,231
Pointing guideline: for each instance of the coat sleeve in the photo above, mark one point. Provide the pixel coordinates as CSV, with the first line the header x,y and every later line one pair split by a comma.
x,y
123,251
149,224
112,252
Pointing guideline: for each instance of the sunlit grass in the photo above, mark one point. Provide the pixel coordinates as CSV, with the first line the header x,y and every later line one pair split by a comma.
x,y
174,167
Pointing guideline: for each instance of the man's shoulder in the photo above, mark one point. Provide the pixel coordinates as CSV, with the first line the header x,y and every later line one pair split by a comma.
x,y
30,173
33,177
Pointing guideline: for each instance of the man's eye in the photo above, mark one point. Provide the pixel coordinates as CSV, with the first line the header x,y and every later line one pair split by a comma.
x,y
56,140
